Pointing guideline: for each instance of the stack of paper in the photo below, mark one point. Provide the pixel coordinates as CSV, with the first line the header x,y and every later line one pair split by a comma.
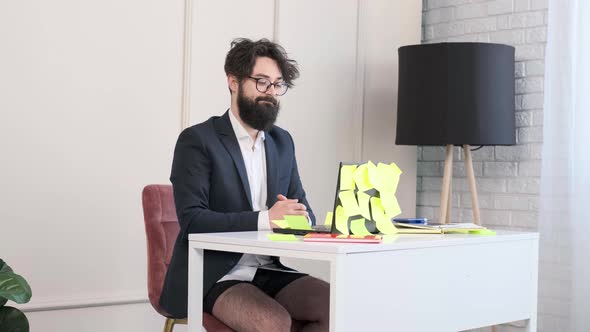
x,y
464,228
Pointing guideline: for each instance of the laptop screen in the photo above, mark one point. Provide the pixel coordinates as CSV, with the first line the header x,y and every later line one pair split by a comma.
x,y
365,199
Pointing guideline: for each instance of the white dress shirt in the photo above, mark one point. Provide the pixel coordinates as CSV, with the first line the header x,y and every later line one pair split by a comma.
x,y
254,157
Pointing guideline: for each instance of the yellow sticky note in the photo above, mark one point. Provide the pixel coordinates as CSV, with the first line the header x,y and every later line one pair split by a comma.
x,y
341,220
364,204
351,207
386,227
384,224
388,176
281,223
328,220
482,232
361,178
390,204
282,237
395,168
297,222
373,175
377,210
390,238
384,176
346,177
357,227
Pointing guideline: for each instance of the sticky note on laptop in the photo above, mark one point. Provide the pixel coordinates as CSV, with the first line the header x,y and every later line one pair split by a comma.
x,y
297,222
281,223
282,237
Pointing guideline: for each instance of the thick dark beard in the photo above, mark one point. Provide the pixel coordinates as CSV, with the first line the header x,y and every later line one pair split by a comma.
x,y
257,114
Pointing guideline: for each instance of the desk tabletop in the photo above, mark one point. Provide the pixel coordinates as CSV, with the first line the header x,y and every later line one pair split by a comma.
x,y
394,242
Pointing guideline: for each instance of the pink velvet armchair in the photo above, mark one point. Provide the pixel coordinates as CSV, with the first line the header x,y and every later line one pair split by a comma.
x,y
161,228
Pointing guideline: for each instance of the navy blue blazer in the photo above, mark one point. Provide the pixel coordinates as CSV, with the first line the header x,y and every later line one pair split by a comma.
x,y
212,194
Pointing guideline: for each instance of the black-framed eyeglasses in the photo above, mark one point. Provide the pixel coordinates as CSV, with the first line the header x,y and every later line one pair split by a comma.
x,y
263,84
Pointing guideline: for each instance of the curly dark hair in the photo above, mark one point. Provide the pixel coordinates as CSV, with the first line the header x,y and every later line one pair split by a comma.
x,y
241,58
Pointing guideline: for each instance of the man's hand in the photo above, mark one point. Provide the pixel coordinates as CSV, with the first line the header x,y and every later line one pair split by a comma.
x,y
285,206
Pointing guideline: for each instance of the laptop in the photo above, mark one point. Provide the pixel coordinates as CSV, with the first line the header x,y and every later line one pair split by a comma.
x,y
327,229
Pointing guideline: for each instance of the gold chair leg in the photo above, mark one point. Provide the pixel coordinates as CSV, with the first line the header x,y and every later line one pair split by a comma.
x,y
169,325
170,322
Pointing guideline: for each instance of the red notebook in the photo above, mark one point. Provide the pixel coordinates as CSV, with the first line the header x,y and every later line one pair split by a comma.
x,y
314,237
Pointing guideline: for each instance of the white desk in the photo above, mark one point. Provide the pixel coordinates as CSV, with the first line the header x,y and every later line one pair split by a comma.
x,y
414,283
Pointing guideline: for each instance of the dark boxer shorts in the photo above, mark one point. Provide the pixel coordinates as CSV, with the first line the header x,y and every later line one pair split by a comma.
x,y
269,281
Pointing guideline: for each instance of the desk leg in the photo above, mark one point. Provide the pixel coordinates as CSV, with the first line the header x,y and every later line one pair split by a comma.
x,y
532,323
195,289
338,294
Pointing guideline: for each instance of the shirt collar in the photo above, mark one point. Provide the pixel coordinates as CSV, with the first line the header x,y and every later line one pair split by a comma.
x,y
240,131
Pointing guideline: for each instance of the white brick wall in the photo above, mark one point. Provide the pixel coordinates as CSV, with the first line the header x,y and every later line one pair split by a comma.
x,y
508,177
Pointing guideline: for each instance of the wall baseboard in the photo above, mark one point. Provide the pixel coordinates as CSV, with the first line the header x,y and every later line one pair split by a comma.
x,y
83,302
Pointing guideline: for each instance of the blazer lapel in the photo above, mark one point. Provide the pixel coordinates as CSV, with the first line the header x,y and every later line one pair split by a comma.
x,y
272,170
229,140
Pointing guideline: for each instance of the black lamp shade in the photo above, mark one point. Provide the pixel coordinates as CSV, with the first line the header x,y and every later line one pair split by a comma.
x,y
456,93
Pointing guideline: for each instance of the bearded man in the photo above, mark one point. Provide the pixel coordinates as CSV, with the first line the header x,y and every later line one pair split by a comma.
x,y
237,172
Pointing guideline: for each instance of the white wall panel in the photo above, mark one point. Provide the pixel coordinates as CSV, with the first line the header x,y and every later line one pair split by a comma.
x,y
320,110
118,318
215,25
385,26
90,109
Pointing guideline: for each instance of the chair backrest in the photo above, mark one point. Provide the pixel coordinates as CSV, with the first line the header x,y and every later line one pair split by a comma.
x,y
161,228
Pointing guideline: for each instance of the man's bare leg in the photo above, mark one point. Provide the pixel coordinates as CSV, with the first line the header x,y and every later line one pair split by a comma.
x,y
307,299
244,307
